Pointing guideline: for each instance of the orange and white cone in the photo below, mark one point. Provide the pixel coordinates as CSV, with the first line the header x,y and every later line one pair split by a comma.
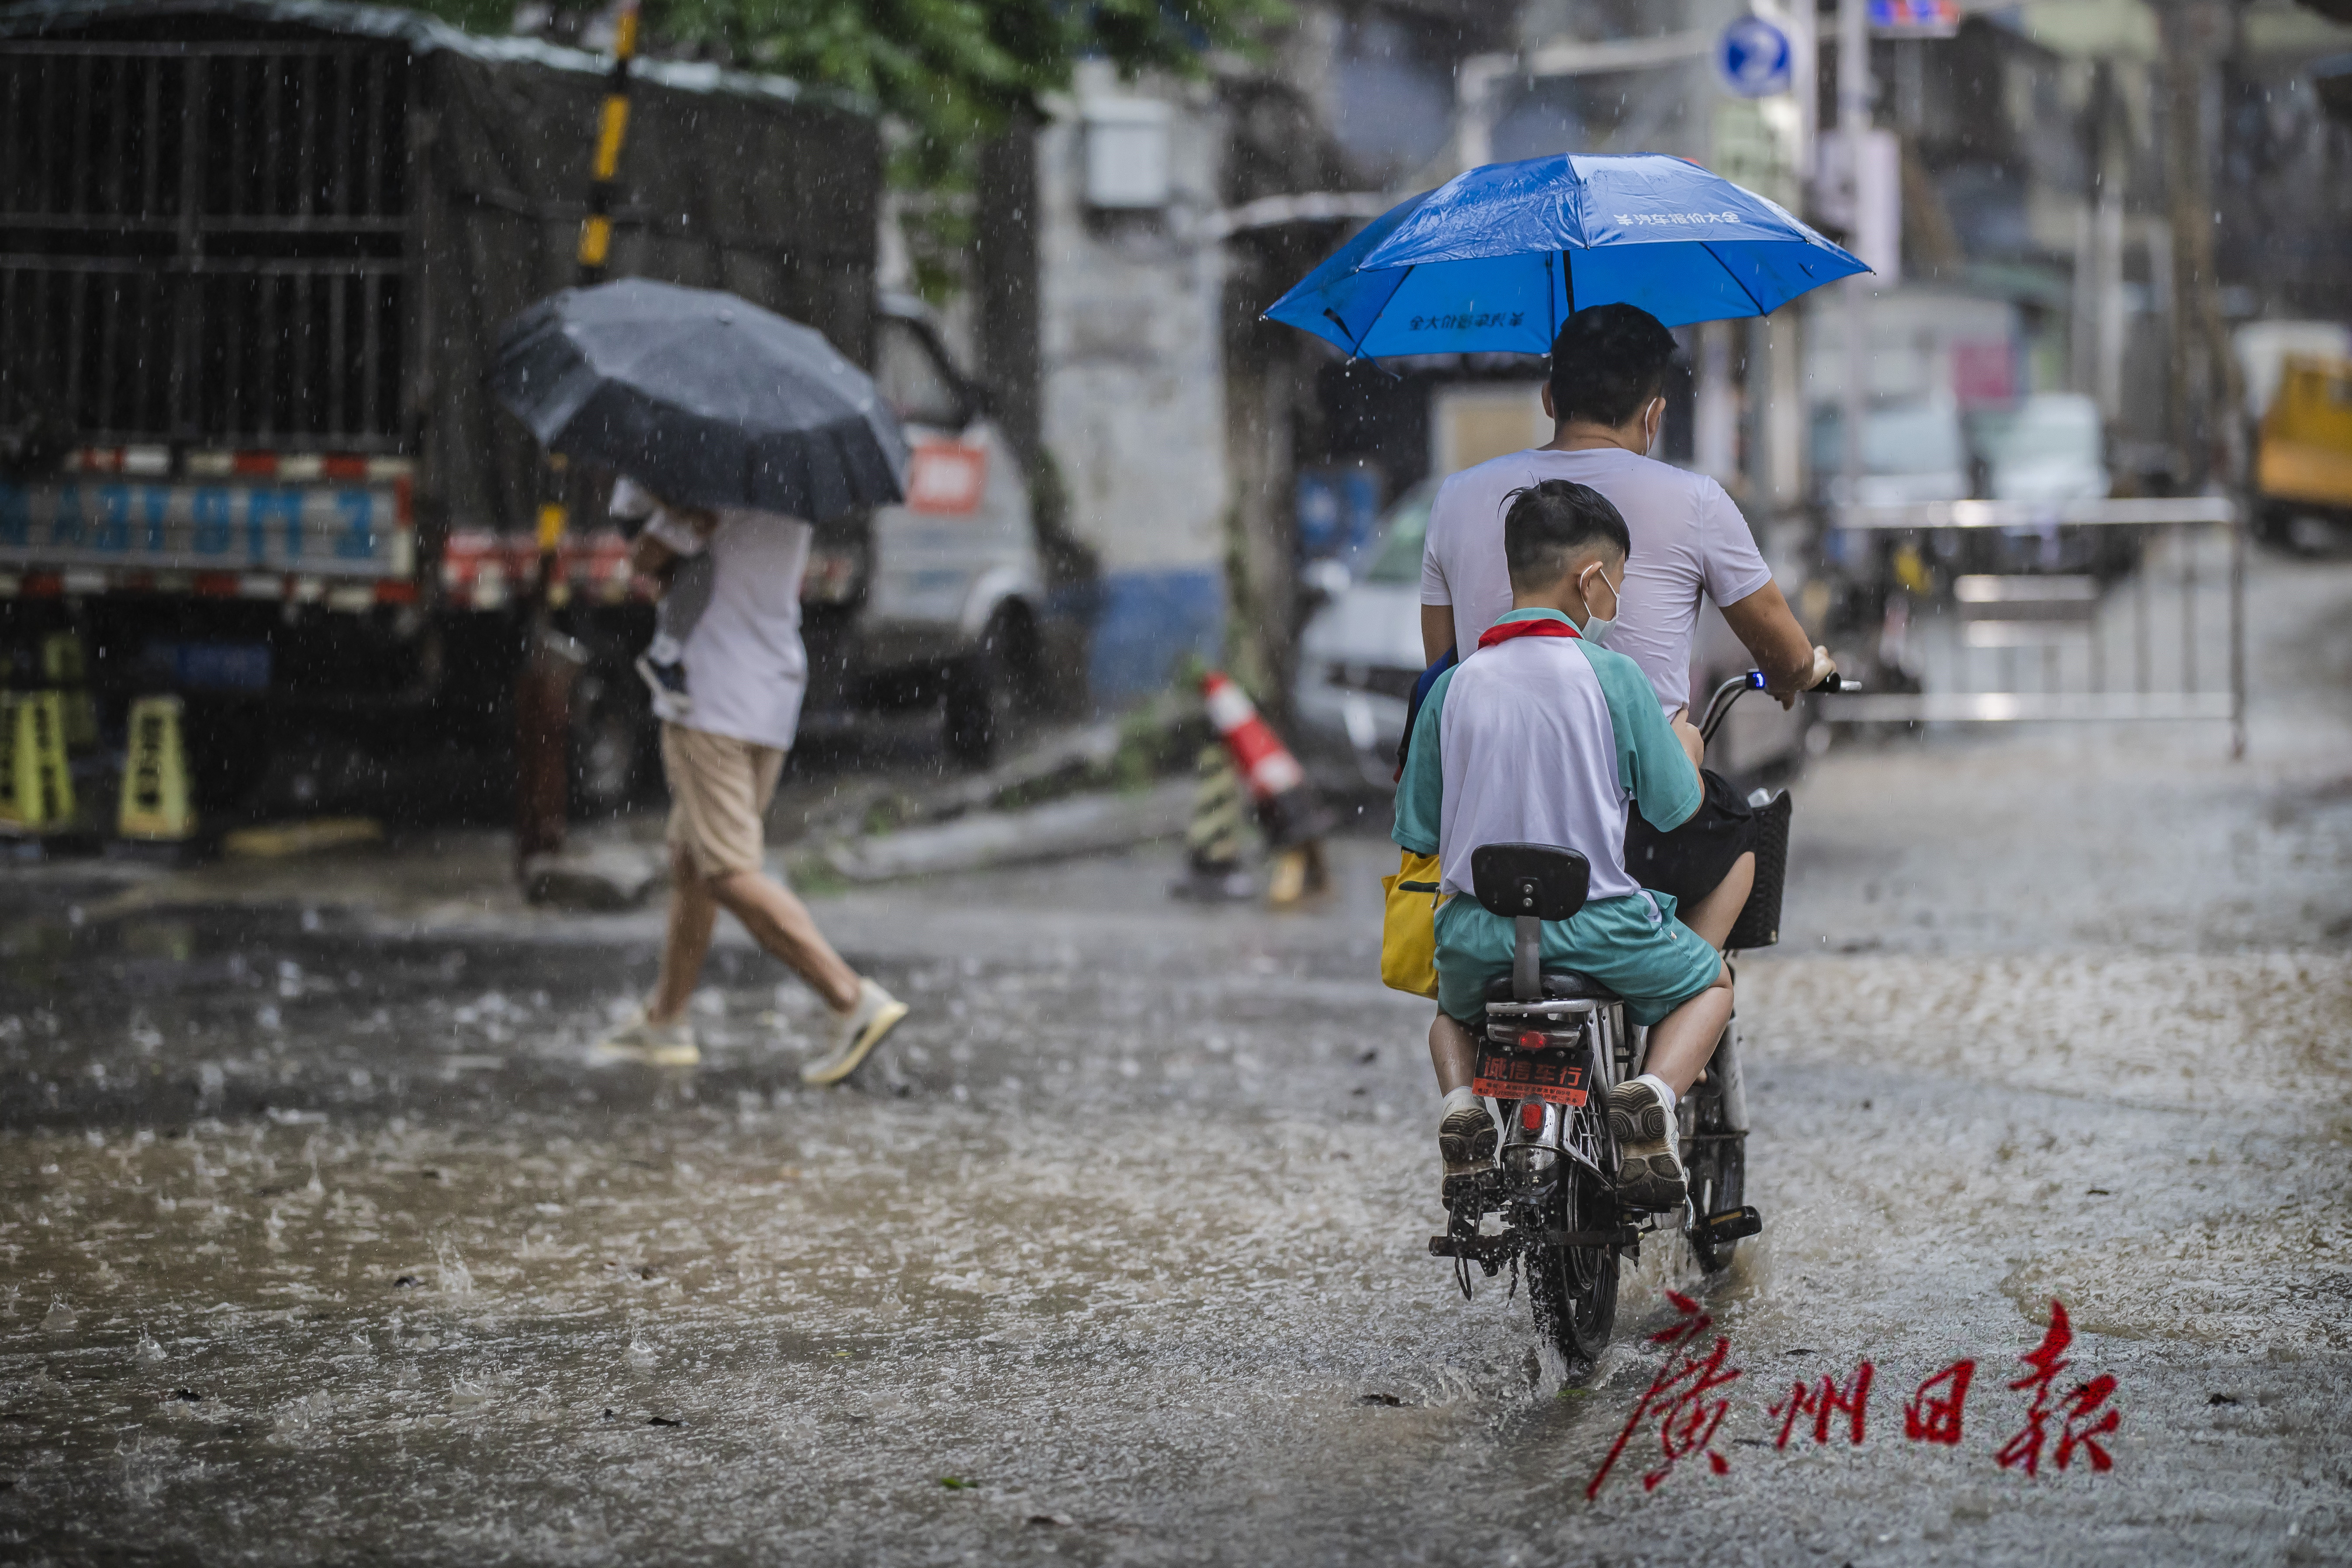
x,y
1294,818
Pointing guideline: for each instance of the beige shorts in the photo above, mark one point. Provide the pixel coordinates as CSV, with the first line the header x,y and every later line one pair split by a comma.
x,y
718,790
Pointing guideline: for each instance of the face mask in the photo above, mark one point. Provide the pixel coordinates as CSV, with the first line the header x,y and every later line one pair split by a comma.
x,y
1650,445
1598,627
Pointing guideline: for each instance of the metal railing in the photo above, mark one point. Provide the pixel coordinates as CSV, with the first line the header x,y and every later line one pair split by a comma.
x,y
204,240
2078,612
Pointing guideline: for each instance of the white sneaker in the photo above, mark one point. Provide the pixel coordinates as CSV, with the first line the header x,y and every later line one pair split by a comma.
x,y
1466,1149
855,1034
649,1044
1648,1142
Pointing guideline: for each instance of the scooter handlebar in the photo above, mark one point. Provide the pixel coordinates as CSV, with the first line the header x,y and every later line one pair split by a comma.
x,y
1833,681
1719,707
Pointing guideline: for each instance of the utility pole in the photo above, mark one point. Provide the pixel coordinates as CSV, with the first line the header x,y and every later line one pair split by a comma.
x,y
2204,381
1853,99
2098,331
1004,265
551,660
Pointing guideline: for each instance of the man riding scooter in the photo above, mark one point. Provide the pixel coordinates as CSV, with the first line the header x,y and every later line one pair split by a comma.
x,y
1604,395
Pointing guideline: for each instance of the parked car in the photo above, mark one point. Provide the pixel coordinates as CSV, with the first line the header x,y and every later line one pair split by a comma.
x,y
942,600
1360,653
1910,452
2050,448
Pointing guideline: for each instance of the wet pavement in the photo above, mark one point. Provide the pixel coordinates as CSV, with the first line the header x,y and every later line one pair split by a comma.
x,y
320,1241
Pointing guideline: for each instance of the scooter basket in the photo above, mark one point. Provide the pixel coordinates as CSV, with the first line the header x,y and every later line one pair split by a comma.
x,y
1760,921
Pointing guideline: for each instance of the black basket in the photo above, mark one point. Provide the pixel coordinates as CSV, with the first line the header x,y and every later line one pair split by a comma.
x,y
1760,921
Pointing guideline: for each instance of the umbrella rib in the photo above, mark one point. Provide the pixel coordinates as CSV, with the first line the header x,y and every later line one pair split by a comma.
x,y
1355,341
1708,245
1403,278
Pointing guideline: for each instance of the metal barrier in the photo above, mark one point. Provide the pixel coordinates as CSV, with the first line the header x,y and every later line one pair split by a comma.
x,y
207,241
2082,611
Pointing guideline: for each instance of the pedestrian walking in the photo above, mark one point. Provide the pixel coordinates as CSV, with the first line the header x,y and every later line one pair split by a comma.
x,y
733,425
727,675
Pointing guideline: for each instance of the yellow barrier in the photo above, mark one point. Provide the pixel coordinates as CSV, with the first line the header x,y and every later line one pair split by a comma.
x,y
155,798
36,792
63,667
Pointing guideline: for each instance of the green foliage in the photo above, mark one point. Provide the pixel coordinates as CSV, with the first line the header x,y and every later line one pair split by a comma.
x,y
474,16
948,72
948,67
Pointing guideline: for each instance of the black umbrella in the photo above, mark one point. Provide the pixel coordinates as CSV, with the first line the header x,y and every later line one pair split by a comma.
x,y
704,398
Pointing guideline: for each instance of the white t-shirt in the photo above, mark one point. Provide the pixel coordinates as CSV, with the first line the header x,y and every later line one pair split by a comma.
x,y
745,669
1531,697
1688,538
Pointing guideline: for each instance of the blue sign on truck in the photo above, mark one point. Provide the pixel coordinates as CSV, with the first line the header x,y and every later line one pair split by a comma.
x,y
346,530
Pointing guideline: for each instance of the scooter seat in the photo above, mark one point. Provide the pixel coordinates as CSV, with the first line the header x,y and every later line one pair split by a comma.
x,y
1559,985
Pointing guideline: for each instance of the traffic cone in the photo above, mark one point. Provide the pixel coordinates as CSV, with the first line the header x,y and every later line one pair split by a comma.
x,y
1293,815
1213,839
63,667
156,805
35,792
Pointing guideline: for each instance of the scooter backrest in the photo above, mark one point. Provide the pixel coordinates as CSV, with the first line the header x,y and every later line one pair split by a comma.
x,y
1539,879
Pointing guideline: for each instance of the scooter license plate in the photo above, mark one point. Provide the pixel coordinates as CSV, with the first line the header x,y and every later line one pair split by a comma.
x,y
1509,1075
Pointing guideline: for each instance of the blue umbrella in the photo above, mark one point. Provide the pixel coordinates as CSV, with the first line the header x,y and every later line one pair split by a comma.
x,y
1496,259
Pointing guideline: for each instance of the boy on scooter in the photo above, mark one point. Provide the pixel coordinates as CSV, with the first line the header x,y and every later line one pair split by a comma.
x,y
1543,737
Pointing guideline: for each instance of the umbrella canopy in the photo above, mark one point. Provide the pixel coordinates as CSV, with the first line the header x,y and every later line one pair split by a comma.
x,y
705,398
1494,260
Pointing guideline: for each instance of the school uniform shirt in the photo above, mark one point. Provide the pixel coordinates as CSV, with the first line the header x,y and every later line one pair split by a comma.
x,y
1541,739
1688,538
745,669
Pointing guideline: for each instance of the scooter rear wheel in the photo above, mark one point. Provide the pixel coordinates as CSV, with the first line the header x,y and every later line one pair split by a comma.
x,y
1574,1289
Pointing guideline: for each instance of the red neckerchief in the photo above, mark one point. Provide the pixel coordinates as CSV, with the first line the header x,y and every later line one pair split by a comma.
x,y
1504,631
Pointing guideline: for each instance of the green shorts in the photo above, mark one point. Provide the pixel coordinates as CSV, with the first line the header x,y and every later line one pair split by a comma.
x,y
1634,945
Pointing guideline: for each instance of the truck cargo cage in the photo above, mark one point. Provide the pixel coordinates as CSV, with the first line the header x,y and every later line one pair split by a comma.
x,y
2079,612
205,241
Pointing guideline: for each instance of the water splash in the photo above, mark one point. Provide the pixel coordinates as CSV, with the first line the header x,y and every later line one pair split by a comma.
x,y
457,1279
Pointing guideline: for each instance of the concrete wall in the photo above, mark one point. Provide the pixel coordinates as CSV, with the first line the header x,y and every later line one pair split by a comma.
x,y
1134,404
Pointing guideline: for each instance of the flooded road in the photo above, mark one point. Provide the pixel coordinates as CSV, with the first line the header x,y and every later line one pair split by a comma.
x,y
320,1241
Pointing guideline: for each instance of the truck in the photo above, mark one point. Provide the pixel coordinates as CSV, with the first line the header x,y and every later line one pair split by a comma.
x,y
2303,455
254,257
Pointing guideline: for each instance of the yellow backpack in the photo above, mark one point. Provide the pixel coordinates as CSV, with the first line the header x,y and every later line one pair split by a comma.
x,y
1409,926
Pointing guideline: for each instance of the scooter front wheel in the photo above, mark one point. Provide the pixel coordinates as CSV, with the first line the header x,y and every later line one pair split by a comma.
x,y
1716,1159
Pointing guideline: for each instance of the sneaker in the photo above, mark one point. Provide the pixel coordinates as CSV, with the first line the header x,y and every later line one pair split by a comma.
x,y
1466,1143
649,1044
855,1034
1647,1140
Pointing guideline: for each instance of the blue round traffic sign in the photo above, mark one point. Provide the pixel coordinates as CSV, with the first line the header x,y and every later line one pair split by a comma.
x,y
1753,57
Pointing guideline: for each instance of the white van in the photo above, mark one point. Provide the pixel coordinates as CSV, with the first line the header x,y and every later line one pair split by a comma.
x,y
940,601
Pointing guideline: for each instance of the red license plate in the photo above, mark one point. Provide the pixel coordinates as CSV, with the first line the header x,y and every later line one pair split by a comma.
x,y
1505,1076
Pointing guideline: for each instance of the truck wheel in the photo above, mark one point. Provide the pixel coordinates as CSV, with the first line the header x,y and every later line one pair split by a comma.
x,y
996,680
974,708
611,727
